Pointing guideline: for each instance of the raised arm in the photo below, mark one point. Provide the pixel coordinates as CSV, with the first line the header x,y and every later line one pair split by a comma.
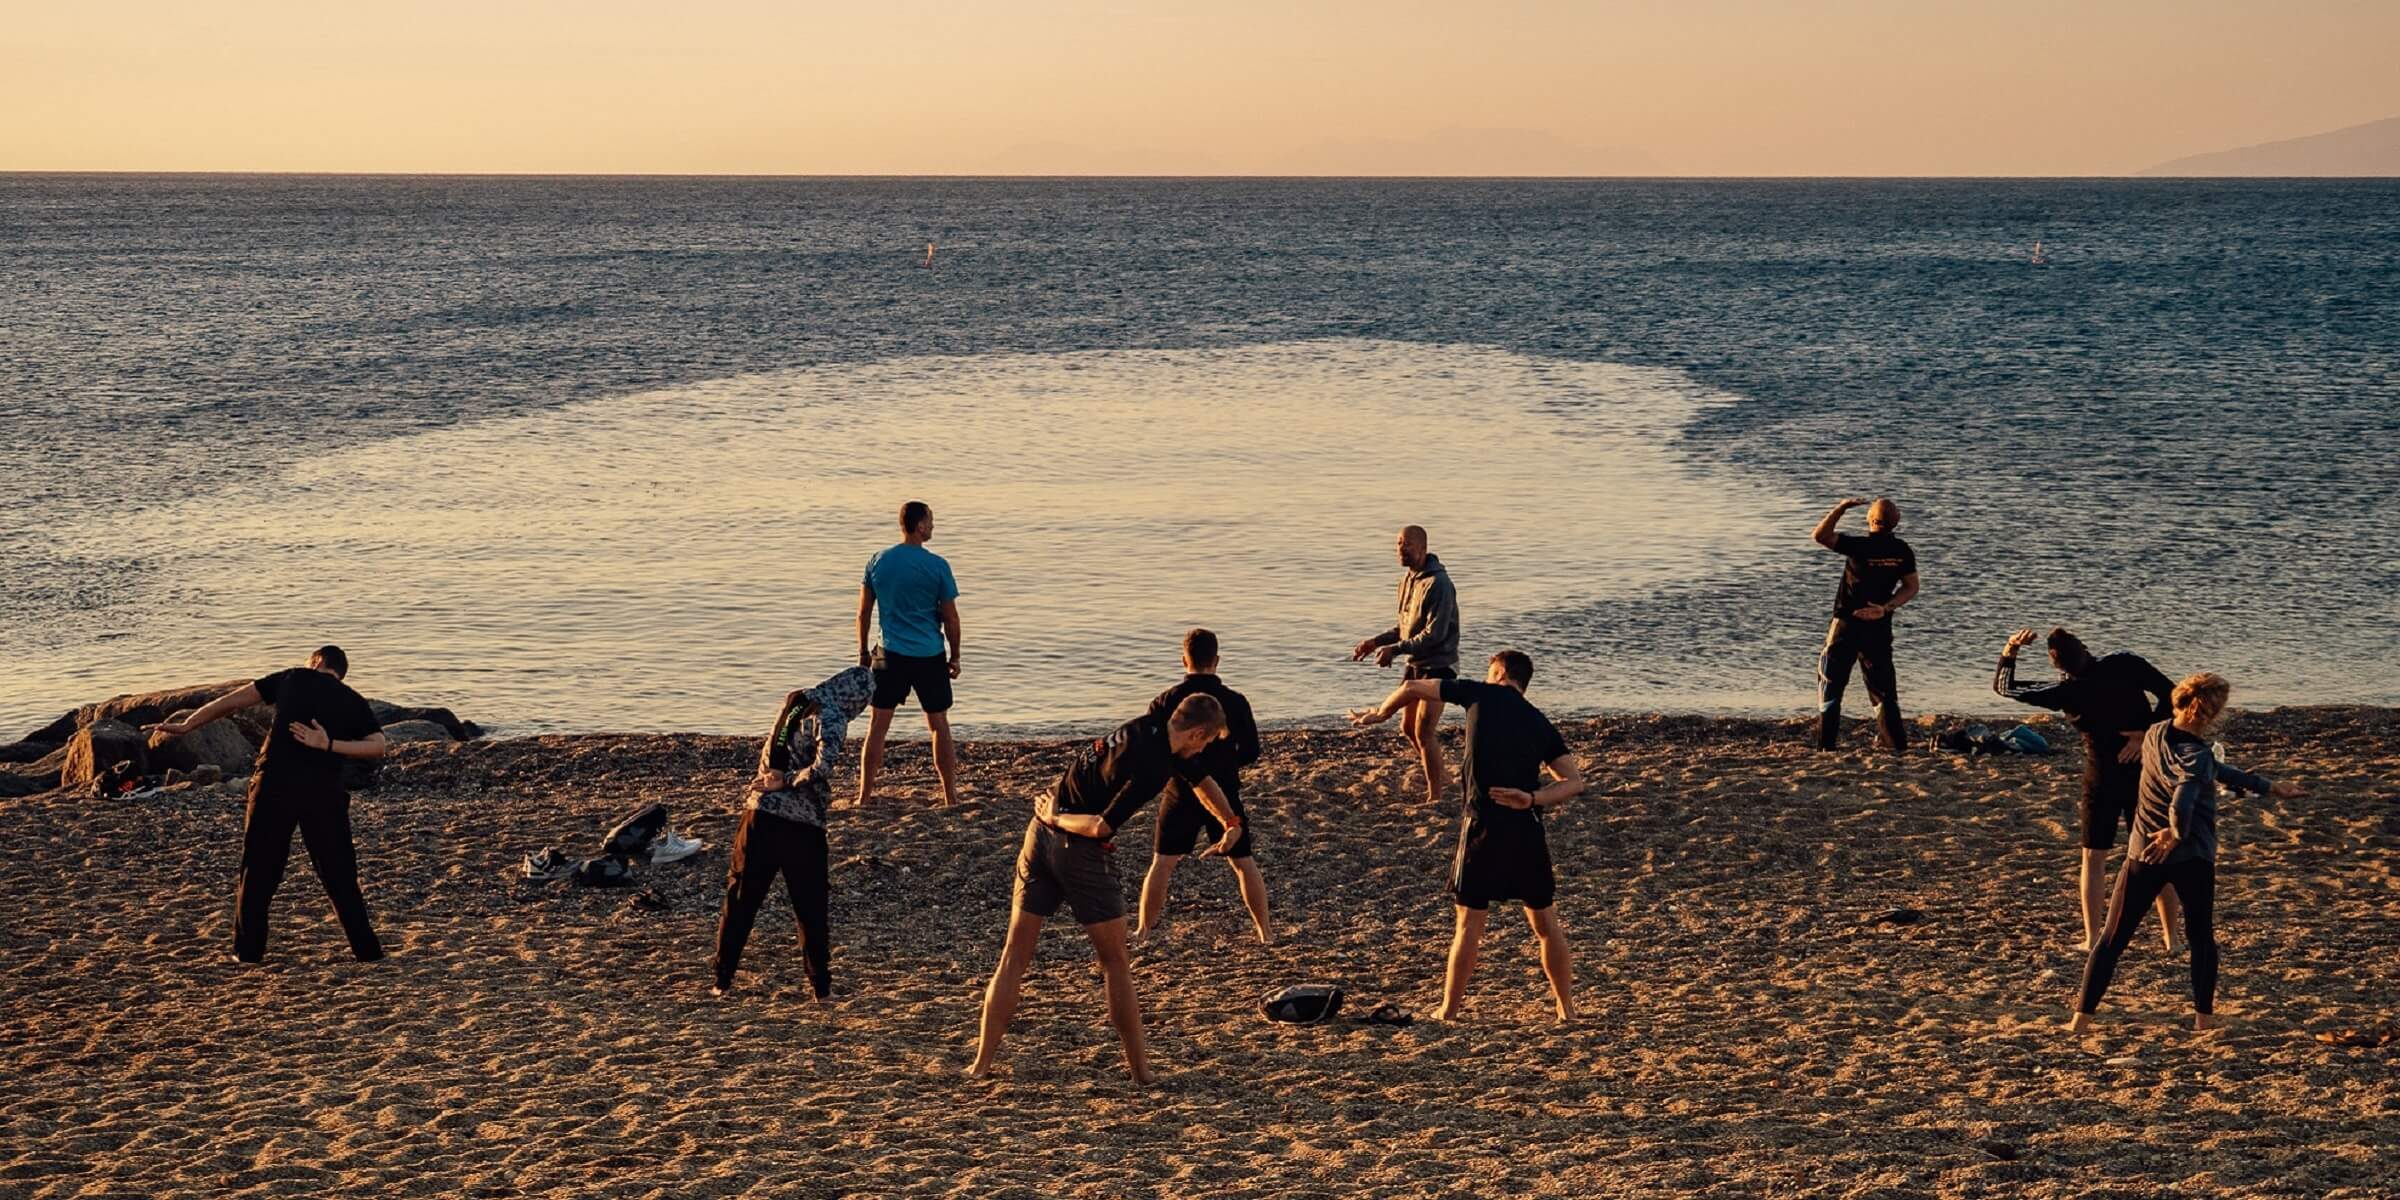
x,y
234,701
1826,529
2004,678
1408,692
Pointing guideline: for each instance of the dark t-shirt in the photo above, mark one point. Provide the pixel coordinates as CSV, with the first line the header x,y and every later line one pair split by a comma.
x,y
1118,774
305,694
2119,693
1224,759
1878,562
1508,741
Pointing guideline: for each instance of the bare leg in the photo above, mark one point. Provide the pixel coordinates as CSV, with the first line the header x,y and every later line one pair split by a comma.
x,y
1000,999
870,760
2094,878
1464,943
1124,1009
1425,729
1254,897
2170,914
1154,893
945,755
1558,963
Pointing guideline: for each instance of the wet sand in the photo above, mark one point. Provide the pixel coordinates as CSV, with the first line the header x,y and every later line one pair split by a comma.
x,y
1748,1029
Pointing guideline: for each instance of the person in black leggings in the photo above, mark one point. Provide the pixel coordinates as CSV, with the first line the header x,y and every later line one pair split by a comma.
x,y
2175,844
783,825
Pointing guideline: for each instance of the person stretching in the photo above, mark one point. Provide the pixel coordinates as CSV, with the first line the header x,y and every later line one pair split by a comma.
x,y
1880,577
2112,701
1068,859
2175,844
783,825
297,784
1183,821
1503,849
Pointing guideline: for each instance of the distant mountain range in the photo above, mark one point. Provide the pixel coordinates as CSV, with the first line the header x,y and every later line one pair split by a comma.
x,y
2371,149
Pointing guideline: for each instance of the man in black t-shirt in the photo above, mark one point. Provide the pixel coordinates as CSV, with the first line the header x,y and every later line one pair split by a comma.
x,y
297,783
1183,822
1068,859
1880,577
1503,847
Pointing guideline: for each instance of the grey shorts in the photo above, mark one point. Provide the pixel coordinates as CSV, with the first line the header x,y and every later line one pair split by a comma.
x,y
1059,868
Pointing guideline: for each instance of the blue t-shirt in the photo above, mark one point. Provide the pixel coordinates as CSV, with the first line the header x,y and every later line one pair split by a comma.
x,y
910,583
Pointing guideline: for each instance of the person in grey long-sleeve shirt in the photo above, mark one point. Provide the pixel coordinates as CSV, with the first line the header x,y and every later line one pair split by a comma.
x,y
2175,843
1427,636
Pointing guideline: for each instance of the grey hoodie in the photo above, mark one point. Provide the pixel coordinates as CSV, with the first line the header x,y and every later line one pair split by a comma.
x,y
2180,774
813,747
1427,635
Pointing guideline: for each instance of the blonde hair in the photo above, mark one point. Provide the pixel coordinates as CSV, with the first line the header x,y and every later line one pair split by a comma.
x,y
2201,698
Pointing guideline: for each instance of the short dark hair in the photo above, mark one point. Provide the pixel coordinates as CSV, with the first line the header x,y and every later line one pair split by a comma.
x,y
2069,653
332,659
1198,711
1200,646
1515,666
913,514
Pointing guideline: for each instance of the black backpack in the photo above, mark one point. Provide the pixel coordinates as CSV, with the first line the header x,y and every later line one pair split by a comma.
x,y
1304,1004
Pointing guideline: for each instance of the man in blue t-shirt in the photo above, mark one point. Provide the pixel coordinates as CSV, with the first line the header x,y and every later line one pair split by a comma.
x,y
912,590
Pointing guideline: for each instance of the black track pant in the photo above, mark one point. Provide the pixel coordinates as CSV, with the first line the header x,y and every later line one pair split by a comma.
x,y
324,824
764,845
1868,646
2195,883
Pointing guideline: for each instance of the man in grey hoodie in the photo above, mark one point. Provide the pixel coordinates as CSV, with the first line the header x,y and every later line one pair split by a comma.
x,y
1427,635
783,824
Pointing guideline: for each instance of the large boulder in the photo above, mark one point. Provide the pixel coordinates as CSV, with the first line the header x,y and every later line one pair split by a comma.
x,y
400,732
134,708
220,744
389,714
99,746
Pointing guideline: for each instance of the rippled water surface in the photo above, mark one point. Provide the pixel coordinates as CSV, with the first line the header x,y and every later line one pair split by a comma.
x,y
579,454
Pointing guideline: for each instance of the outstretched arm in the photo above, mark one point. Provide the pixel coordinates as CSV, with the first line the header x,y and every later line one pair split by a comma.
x,y
234,701
1825,531
1412,691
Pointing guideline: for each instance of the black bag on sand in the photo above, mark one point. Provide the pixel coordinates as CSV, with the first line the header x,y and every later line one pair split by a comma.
x,y
1304,1004
632,836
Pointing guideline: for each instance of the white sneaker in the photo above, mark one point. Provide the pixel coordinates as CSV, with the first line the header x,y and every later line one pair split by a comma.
x,y
674,847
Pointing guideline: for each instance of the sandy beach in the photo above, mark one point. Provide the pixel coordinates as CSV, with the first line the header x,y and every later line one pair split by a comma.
x,y
1749,1029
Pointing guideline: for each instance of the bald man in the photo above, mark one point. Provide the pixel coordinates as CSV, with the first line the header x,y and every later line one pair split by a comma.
x,y
1879,578
1427,635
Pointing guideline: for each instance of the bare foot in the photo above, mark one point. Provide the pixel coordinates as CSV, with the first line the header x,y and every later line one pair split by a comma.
x,y
979,1069
2178,946
2082,1023
1441,1012
2205,1023
1566,1016
719,989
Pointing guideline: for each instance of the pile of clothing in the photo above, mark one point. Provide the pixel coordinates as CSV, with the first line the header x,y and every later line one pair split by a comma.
x,y
1979,739
643,837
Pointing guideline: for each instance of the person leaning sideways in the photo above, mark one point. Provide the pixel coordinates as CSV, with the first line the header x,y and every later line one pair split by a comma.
x,y
297,784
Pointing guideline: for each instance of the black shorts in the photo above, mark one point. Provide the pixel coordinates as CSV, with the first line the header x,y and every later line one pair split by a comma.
x,y
1055,867
1413,671
1511,862
1184,824
896,675
2111,790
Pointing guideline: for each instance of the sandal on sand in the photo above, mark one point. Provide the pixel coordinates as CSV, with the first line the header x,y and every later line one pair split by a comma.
x,y
1383,1014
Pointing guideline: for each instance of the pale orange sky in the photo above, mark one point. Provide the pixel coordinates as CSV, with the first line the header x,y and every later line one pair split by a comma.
x,y
1678,87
